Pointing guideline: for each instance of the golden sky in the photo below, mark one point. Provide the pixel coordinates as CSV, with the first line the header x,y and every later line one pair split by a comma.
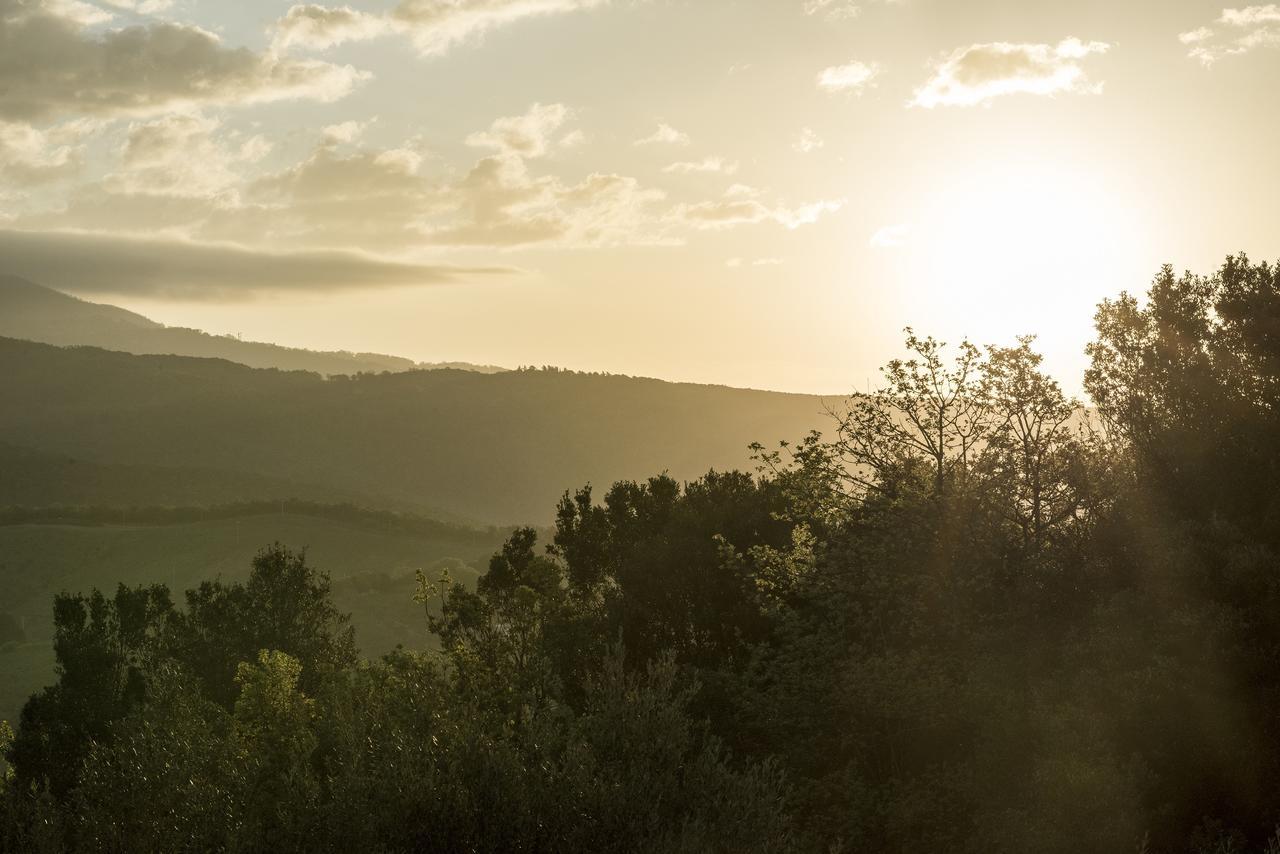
x,y
757,193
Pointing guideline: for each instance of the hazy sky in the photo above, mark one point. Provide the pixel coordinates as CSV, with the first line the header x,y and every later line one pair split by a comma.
x,y
751,192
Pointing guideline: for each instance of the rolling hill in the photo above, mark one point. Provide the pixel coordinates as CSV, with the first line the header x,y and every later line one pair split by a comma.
x,y
496,448
30,478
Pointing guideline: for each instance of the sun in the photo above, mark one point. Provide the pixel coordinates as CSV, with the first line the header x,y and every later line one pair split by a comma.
x,y
1023,245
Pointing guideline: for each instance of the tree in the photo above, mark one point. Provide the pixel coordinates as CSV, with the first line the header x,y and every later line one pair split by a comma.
x,y
929,415
165,780
285,606
103,649
1033,450
272,744
647,562
501,630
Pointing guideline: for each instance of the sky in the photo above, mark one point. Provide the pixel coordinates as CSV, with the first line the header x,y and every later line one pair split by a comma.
x,y
758,193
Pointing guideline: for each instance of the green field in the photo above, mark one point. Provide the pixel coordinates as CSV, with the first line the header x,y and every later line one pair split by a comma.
x,y
372,570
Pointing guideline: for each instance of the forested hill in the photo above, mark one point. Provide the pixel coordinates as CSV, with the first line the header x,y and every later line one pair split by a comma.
x,y
495,448
30,478
36,313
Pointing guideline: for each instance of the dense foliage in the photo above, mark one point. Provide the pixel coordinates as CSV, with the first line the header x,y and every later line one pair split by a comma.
x,y
976,617
491,448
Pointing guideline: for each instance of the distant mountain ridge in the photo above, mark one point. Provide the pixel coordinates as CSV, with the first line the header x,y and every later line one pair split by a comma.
x,y
33,312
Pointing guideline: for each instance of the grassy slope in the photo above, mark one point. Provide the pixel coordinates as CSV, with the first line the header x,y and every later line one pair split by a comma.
x,y
372,572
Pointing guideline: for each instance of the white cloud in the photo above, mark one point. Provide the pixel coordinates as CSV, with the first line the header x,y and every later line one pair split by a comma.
x,y
978,73
183,155
808,141
708,165
1251,16
435,26
735,263
346,132
143,7
55,64
573,139
184,176
794,218
527,135
313,27
30,156
738,209
255,148
665,135
853,77
84,14
500,203
833,9
1242,30
891,237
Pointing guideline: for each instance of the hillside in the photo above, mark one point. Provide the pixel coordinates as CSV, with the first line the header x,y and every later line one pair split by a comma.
x,y
30,478
35,313
497,448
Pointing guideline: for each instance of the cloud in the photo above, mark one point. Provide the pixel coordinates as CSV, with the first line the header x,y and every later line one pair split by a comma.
x,y
143,7
708,165
808,141
853,77
978,73
665,135
891,237
84,14
346,132
434,26
187,177
526,135
833,9
737,263
172,174
1251,16
1243,30
183,155
313,27
500,203
184,176
93,263
740,208
52,64
31,156
368,197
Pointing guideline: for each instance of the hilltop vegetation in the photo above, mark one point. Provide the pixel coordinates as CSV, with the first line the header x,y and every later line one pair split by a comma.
x,y
495,448
36,479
